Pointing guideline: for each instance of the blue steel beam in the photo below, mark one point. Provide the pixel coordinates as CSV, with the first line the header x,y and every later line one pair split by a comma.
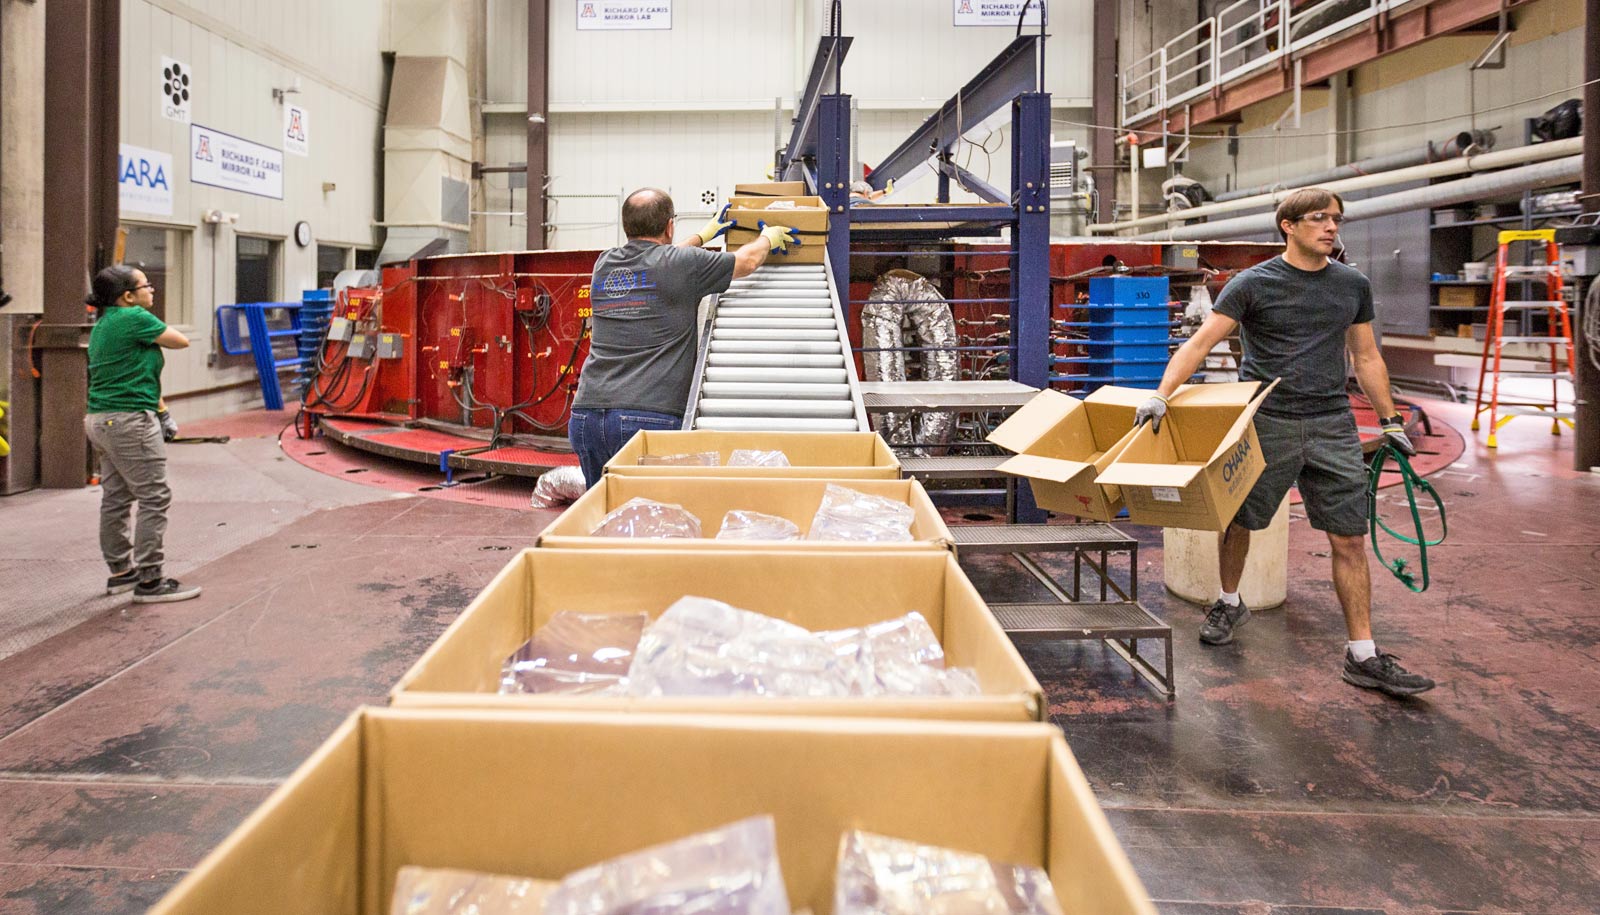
x,y
1011,73
832,182
831,51
972,182
1030,265
978,212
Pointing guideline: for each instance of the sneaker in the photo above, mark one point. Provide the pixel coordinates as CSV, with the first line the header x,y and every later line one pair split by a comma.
x,y
1383,672
163,591
122,581
1220,622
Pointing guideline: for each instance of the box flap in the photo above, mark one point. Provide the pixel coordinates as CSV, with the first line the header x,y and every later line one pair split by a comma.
x,y
1043,468
1242,422
1214,395
1034,421
1125,474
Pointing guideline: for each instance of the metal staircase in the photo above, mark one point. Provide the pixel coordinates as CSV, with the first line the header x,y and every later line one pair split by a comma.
x,y
775,358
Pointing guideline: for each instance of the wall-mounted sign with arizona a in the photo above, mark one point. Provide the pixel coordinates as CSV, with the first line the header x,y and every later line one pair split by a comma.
x,y
177,82
1196,472
226,161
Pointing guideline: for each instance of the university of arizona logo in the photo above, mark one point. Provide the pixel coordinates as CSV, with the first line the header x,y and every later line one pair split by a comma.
x,y
202,149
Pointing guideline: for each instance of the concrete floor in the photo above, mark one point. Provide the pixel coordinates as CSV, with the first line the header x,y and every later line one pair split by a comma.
x,y
133,739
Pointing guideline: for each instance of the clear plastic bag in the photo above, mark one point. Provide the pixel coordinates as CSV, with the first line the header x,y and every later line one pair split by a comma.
x,y
879,875
558,486
899,657
576,653
642,518
696,459
728,871
747,525
750,457
441,891
703,647
850,515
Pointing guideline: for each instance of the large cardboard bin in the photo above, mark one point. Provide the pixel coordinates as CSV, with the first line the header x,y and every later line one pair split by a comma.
x,y
824,455
808,214
543,794
710,498
815,590
1062,444
1196,472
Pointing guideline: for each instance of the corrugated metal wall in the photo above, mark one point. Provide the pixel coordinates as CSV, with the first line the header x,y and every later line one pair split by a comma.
x,y
238,52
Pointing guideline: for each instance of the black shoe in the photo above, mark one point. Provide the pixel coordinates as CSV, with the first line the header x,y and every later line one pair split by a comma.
x,y
1220,622
1382,671
163,591
122,581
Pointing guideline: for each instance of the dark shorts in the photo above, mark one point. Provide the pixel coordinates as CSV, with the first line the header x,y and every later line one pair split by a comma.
x,y
1323,454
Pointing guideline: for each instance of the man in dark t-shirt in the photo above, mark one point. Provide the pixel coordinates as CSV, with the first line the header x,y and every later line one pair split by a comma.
x,y
1298,315
644,298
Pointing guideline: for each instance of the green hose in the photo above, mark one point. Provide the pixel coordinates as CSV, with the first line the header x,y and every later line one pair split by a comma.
x,y
1413,482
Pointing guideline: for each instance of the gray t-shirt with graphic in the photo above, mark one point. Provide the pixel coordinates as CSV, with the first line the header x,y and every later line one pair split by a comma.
x,y
1293,324
644,299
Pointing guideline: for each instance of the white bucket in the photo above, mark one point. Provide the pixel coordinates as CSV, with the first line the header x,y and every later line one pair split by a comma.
x,y
1476,271
1190,564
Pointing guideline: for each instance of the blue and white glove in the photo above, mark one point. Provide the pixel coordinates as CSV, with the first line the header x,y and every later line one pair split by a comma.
x,y
1394,429
779,237
716,226
169,426
1152,411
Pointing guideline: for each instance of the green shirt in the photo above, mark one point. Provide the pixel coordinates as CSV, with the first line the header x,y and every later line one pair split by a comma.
x,y
124,361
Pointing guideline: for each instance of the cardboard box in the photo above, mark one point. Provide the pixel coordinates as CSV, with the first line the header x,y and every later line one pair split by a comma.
x,y
1197,471
1063,443
831,590
542,794
1459,296
770,189
710,498
826,455
808,215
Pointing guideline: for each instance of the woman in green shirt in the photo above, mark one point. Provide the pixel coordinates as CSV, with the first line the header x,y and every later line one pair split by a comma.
x,y
125,362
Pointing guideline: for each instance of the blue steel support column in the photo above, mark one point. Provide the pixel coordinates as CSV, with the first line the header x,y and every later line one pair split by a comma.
x,y
1030,265
944,187
833,184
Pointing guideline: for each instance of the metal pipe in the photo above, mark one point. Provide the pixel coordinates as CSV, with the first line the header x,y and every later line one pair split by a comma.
x,y
1518,155
1429,152
1505,181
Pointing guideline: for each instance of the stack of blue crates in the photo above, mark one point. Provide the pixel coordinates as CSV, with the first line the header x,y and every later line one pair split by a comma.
x,y
1128,325
316,308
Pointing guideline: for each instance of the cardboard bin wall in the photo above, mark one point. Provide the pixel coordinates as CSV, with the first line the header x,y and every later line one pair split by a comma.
x,y
824,455
543,794
814,590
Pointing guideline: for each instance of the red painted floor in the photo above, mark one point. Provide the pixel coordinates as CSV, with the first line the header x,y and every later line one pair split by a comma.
x,y
134,742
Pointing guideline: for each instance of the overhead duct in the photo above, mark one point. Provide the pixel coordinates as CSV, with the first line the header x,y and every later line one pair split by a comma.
x,y
1476,140
1520,155
1477,187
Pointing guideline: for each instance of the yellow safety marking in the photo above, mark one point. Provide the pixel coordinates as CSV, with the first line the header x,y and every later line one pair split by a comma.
x,y
1510,235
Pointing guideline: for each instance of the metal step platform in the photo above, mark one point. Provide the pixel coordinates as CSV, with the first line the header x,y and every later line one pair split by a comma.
x,y
773,357
1120,624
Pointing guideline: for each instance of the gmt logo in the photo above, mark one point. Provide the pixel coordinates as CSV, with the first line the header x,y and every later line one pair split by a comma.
x,y
1230,467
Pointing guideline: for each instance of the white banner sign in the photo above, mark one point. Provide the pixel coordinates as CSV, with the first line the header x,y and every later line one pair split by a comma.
x,y
144,181
624,14
296,130
226,161
175,88
995,12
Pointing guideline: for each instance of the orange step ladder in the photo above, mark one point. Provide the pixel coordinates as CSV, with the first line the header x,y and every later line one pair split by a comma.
x,y
1557,335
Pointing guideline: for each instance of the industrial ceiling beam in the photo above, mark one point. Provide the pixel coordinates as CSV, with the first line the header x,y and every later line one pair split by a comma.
x,y
1011,73
824,80
972,182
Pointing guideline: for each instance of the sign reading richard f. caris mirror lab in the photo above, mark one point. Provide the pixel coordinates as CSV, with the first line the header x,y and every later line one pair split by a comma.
x,y
226,161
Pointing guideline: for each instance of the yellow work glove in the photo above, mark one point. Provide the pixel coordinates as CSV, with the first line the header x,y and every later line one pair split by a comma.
x,y
780,237
888,188
716,226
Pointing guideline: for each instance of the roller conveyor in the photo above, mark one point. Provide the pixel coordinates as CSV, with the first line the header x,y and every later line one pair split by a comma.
x,y
774,358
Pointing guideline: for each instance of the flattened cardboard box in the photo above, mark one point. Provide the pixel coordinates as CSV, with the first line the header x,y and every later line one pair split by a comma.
x,y
815,590
824,455
711,498
1196,472
770,189
1063,443
808,215
542,794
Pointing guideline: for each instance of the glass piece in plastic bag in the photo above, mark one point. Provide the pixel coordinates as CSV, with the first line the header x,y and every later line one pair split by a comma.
x,y
751,457
747,525
848,514
441,891
878,875
899,657
697,459
576,653
728,871
558,486
703,647
643,518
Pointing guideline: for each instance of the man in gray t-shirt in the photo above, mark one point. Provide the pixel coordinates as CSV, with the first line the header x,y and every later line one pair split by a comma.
x,y
1298,315
644,297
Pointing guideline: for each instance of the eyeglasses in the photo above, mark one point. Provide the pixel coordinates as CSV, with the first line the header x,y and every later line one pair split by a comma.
x,y
1319,218
144,286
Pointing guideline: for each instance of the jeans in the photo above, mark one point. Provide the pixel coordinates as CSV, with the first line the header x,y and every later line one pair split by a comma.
x,y
133,468
596,435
